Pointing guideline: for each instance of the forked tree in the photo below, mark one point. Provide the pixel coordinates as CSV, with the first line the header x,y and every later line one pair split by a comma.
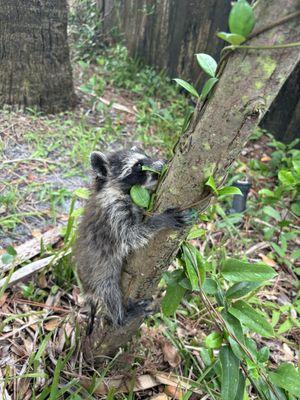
x,y
249,80
35,69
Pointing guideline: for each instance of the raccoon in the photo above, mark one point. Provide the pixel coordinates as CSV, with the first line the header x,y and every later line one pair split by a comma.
x,y
113,226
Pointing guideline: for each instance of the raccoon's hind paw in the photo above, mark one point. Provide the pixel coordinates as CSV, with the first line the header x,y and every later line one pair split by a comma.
x,y
138,309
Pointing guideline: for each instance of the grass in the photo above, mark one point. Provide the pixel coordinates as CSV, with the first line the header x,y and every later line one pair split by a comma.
x,y
53,151
41,320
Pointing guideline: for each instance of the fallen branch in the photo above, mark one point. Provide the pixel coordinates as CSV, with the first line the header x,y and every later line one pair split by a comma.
x,y
31,268
32,248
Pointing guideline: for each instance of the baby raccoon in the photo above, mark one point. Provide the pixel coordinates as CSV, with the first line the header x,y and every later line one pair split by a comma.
x,y
113,226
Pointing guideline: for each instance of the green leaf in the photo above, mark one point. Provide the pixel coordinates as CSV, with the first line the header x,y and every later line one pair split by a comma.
x,y
10,250
251,318
241,387
286,177
207,63
211,183
86,89
209,84
172,299
145,168
239,271
210,286
196,233
252,347
7,258
263,354
230,373
229,191
266,192
231,38
295,207
295,254
240,289
214,340
285,326
191,266
187,86
287,377
280,251
271,212
173,278
82,193
234,327
140,196
241,18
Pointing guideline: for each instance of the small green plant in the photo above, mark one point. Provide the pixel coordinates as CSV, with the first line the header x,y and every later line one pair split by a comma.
x,y
85,30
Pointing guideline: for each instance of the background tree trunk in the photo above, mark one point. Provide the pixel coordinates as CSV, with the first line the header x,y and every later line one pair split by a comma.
x,y
283,119
35,69
167,33
218,131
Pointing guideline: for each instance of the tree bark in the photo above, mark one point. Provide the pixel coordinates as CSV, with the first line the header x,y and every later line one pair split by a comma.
x,y
218,131
35,69
167,34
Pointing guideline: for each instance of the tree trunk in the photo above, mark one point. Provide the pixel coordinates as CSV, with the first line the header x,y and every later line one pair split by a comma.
x,y
218,131
283,119
167,33
35,69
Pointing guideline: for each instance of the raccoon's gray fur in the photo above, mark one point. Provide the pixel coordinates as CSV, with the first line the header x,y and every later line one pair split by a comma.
x,y
112,226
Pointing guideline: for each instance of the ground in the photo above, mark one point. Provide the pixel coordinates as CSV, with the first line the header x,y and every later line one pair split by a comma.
x,y
46,158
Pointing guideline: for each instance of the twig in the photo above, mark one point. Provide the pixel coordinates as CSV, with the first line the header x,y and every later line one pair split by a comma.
x,y
42,305
21,160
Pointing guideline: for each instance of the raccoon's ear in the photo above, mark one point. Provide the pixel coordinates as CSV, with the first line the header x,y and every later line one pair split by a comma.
x,y
99,163
136,148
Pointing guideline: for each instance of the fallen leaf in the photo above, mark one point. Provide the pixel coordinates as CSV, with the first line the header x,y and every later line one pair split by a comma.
x,y
42,281
52,324
267,260
3,299
288,353
160,396
31,177
171,354
265,159
174,392
36,233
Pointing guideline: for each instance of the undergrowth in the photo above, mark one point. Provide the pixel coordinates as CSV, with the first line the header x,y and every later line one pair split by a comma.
x,y
214,317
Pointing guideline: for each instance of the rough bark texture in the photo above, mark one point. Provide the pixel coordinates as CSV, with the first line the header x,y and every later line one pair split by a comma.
x,y
283,119
35,69
167,33
219,130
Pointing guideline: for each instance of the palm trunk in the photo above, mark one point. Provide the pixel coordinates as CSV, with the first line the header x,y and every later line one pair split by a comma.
x,y
35,68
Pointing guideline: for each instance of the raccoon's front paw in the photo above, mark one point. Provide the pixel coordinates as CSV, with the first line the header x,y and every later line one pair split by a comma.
x,y
180,218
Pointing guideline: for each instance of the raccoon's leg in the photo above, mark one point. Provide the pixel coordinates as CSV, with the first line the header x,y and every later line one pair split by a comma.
x,y
112,297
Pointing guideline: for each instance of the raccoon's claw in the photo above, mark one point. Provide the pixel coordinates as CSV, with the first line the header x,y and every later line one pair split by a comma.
x,y
182,218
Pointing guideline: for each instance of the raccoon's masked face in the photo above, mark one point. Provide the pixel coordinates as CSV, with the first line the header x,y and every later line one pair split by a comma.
x,y
126,168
